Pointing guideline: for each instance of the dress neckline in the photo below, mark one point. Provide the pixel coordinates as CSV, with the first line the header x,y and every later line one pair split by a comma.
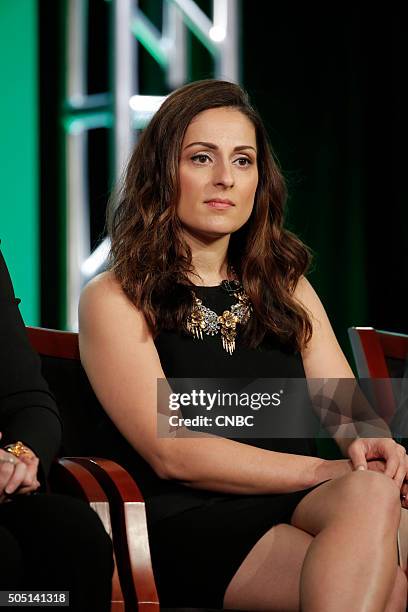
x,y
207,286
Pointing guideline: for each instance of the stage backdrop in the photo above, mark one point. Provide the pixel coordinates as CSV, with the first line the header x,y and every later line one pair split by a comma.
x,y
19,159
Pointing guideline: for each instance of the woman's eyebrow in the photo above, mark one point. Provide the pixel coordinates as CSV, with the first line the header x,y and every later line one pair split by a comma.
x,y
210,145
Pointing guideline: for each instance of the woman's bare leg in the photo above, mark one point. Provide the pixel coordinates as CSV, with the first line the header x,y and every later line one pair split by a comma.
x,y
270,576
352,561
398,599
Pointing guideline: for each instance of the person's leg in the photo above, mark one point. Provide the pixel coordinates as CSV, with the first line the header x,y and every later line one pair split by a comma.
x,y
398,598
360,553
355,520
269,576
11,561
64,547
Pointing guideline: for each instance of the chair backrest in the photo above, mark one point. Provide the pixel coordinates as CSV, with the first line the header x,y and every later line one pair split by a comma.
x,y
87,431
380,355
377,353
80,410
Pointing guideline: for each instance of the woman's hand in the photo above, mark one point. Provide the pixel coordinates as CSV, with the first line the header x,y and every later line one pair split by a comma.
x,y
379,466
389,457
17,474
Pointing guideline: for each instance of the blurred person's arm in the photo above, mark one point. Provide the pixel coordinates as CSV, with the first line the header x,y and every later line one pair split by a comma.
x,y
28,412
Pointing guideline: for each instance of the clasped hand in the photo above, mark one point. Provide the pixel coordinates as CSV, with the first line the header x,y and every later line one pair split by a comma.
x,y
18,475
382,455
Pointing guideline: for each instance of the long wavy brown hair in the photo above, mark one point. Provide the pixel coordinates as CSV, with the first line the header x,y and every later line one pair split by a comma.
x,y
149,255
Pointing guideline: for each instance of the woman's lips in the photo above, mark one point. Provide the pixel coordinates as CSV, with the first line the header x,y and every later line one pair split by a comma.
x,y
218,204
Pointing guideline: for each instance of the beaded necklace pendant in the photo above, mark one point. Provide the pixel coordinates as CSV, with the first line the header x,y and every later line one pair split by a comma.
x,y
203,319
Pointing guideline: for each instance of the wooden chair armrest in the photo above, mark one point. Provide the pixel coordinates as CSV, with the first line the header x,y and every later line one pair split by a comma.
x,y
129,518
71,478
110,473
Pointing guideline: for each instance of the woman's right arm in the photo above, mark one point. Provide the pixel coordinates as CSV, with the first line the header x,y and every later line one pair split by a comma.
x,y
122,363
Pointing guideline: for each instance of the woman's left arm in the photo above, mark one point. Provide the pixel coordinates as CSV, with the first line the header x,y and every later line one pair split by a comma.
x,y
324,359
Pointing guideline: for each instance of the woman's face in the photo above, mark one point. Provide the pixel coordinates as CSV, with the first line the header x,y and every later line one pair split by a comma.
x,y
218,172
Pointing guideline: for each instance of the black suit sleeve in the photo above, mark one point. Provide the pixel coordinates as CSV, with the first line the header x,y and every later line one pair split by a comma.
x,y
28,410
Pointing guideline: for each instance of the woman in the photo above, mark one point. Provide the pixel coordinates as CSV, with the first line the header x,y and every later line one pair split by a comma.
x,y
242,524
48,542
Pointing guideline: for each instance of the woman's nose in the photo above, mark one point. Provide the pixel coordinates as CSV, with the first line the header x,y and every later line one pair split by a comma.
x,y
223,174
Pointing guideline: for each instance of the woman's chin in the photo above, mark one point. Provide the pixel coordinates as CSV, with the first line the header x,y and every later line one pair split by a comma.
x,y
212,230
211,233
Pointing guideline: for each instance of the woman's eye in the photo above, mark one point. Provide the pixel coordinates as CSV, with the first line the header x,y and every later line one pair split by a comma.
x,y
201,158
243,161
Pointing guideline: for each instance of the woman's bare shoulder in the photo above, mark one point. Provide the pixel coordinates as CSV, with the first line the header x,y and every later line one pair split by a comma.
x,y
105,290
104,283
104,299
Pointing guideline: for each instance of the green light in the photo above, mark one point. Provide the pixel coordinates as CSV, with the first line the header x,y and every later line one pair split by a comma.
x,y
148,36
75,124
19,165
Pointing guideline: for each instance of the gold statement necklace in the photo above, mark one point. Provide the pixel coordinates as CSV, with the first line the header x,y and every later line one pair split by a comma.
x,y
203,319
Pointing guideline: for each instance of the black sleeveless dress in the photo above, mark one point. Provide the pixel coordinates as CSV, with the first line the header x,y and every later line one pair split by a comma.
x,y
199,538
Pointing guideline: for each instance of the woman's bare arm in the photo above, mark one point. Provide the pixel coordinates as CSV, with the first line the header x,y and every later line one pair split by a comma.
x,y
324,359
122,363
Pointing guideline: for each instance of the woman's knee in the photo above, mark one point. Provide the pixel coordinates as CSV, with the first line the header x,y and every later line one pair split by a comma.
x,y
351,497
367,493
375,489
